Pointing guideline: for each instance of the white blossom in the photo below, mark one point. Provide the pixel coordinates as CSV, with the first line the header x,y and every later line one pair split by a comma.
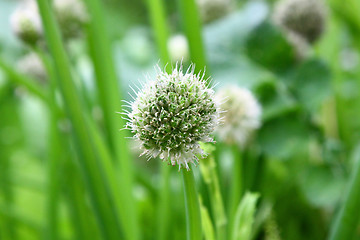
x,y
26,22
303,17
171,114
178,48
241,115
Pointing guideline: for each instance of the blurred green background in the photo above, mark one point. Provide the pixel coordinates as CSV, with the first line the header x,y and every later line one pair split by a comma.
x,y
300,161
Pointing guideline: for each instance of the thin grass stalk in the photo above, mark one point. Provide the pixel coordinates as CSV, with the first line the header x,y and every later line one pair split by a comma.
x,y
83,227
110,98
96,182
193,217
192,27
236,188
158,21
348,218
157,15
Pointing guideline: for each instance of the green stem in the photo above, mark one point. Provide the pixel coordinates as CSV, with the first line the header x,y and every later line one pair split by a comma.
x,y
236,186
192,27
163,205
110,98
193,217
158,22
89,160
348,217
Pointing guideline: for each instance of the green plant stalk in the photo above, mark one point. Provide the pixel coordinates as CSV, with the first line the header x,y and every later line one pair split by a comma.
x,y
163,206
55,152
110,99
193,217
96,182
158,22
348,218
236,188
79,212
210,176
192,27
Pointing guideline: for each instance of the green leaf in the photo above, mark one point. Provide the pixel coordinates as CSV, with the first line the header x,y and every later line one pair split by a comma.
x,y
244,217
311,83
267,46
207,225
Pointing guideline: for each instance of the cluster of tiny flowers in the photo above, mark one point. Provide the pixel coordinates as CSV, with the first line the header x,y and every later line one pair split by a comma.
x,y
211,10
178,48
26,23
71,15
241,115
172,114
303,17
31,65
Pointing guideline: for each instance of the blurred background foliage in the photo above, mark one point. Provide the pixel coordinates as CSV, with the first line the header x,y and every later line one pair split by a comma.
x,y
299,162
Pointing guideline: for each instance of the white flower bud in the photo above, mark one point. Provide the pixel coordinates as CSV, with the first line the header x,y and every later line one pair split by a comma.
x,y
71,15
211,10
304,17
26,23
32,66
241,115
171,114
178,48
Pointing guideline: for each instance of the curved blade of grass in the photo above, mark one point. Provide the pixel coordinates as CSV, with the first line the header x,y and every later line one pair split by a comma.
x,y
96,181
211,179
244,217
207,225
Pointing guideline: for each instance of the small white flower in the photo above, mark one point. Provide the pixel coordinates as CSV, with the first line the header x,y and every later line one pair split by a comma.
x,y
26,22
71,15
178,48
303,17
241,115
211,10
172,114
32,66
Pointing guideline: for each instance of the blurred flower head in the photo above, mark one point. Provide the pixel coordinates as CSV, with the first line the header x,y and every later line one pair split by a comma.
x,y
211,10
240,115
32,66
171,114
303,17
178,48
26,23
71,15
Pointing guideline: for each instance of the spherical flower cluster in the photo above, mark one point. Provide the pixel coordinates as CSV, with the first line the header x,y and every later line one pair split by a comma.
x,y
178,48
303,17
71,15
171,114
211,10
26,23
32,66
241,115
